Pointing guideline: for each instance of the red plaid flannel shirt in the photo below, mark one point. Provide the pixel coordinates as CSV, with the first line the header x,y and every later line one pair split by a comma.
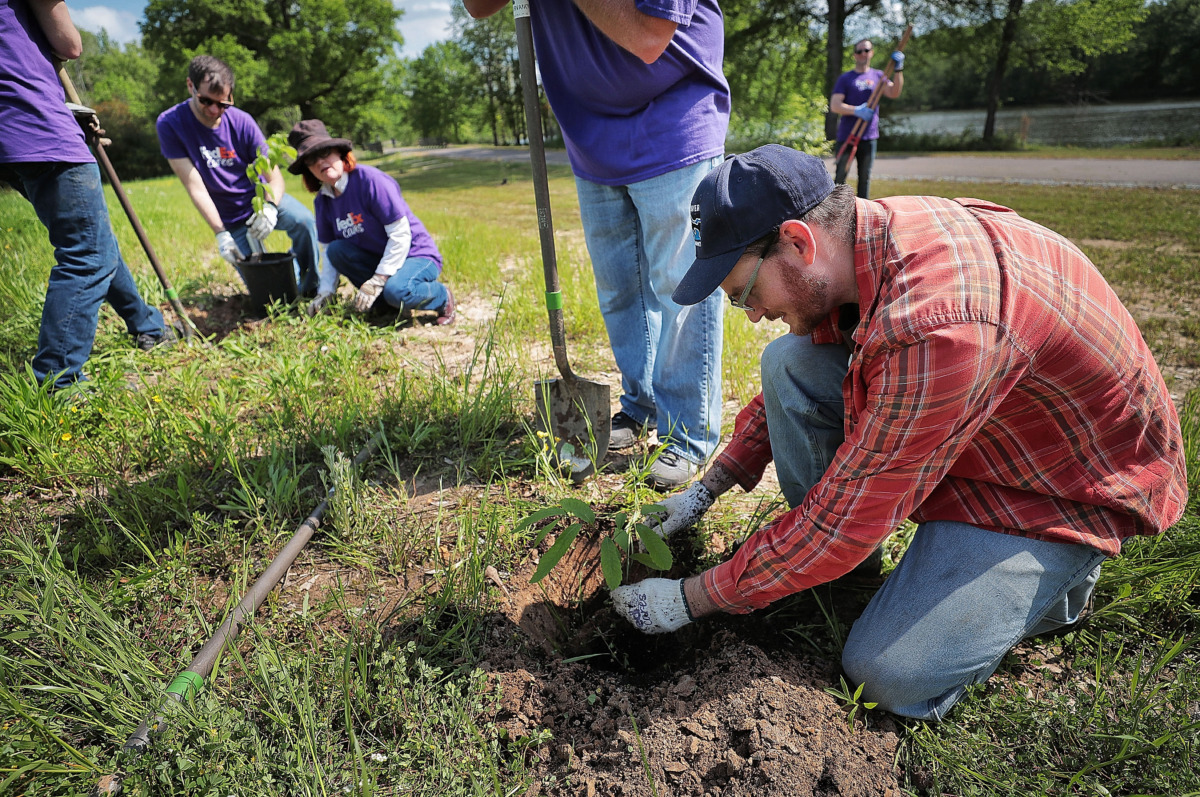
x,y
996,380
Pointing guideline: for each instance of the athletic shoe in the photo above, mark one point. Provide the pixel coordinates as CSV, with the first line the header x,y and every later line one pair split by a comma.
x,y
626,431
449,312
670,470
166,339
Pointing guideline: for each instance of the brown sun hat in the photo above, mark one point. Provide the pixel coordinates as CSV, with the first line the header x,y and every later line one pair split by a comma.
x,y
311,136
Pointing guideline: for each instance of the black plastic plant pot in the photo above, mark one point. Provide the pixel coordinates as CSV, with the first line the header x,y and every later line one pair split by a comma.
x,y
270,277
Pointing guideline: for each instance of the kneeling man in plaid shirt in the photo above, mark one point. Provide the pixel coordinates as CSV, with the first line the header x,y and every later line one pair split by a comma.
x,y
948,362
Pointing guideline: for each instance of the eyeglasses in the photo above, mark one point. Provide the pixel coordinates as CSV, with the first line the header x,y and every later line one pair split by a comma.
x,y
863,50
740,302
207,101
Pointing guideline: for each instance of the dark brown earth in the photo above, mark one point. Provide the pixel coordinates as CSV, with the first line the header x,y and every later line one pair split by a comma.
x,y
718,708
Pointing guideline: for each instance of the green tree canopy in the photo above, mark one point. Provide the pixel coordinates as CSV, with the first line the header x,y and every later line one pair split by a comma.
x,y
299,59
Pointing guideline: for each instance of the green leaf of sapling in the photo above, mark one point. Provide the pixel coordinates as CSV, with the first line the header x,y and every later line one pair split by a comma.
x,y
579,509
659,553
556,553
610,563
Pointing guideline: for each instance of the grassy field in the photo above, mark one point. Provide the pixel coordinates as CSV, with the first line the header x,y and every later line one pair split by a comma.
x,y
133,521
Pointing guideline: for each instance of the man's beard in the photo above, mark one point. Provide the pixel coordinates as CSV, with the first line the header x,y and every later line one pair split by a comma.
x,y
807,299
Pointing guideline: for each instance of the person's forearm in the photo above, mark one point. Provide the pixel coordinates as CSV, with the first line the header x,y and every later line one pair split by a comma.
x,y
478,9
837,104
699,604
55,21
275,186
718,479
893,90
643,35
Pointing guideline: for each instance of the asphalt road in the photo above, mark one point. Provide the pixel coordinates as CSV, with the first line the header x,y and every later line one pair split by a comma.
x,y
966,168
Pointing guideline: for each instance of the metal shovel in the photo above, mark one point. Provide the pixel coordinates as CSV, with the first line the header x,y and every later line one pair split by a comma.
x,y
574,411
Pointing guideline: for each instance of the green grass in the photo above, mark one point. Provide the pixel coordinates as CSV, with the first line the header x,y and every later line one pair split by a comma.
x,y
134,520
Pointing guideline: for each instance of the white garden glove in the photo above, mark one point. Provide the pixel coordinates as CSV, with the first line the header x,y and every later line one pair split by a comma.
x,y
262,223
318,304
228,247
368,292
654,606
682,510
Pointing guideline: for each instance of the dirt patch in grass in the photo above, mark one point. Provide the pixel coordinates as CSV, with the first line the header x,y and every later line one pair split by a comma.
x,y
721,707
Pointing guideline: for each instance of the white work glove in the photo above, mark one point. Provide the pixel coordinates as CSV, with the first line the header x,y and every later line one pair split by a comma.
x,y
262,223
654,606
864,112
228,247
683,509
318,304
368,292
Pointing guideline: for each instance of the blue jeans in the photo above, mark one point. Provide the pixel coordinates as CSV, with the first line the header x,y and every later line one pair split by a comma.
x,y
69,200
639,239
301,227
413,287
961,597
865,156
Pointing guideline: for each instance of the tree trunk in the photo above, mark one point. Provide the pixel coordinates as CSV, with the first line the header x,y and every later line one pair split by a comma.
x,y
996,79
833,60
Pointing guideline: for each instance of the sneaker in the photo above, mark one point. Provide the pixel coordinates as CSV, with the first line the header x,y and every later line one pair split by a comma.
x,y
167,338
626,431
670,470
449,312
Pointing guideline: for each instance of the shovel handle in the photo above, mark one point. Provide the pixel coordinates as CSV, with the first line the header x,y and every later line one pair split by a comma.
x,y
541,187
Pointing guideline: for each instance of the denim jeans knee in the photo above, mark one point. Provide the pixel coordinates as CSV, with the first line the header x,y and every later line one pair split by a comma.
x,y
802,394
959,600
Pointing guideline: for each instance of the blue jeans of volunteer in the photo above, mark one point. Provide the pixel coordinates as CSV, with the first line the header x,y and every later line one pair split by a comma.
x,y
414,286
865,157
69,200
639,240
301,227
960,598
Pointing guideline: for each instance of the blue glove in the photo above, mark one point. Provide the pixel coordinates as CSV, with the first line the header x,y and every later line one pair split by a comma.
x,y
898,61
864,112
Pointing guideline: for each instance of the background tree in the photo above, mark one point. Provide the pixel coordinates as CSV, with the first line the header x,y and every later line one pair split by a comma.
x,y
442,89
490,44
292,60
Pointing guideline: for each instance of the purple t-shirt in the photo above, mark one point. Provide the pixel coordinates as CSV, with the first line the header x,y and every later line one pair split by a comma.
x,y
857,88
371,201
624,120
220,154
35,125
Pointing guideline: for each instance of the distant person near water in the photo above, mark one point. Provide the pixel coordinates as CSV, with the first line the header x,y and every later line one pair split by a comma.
x,y
849,100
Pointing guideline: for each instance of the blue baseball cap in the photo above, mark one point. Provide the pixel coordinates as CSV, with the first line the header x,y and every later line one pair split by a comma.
x,y
742,200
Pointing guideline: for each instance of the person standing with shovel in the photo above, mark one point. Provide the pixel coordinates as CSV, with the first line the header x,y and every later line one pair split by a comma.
x,y
637,88
850,98
44,156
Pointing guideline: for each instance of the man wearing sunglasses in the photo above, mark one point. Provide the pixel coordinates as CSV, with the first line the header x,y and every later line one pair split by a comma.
x,y
948,362
849,100
209,143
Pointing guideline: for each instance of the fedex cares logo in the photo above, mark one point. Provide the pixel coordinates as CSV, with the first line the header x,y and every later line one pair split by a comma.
x,y
351,225
218,156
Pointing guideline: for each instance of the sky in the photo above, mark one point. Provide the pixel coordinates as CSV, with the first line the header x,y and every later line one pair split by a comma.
x,y
424,21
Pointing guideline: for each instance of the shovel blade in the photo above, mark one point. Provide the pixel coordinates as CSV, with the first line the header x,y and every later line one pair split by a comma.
x,y
575,411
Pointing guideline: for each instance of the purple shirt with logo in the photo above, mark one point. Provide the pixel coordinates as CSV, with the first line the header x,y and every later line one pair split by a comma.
x,y
220,154
35,125
371,201
857,87
624,120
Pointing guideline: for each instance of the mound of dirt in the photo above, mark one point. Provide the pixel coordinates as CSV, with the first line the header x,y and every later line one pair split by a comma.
x,y
714,709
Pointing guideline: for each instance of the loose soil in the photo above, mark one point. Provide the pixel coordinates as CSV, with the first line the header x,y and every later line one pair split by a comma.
x,y
721,707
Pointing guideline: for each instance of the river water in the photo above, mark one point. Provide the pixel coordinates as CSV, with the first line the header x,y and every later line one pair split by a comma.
x,y
1076,125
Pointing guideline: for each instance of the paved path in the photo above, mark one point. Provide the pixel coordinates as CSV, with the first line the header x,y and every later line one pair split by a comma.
x,y
966,168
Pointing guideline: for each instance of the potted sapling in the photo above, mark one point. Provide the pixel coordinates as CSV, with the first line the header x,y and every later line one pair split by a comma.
x,y
270,276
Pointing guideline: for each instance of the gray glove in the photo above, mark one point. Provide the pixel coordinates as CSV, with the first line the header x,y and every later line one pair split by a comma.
x,y
318,304
228,247
682,510
654,606
262,223
368,292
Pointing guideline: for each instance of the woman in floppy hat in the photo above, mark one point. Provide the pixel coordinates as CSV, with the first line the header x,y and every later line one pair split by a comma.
x,y
366,229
